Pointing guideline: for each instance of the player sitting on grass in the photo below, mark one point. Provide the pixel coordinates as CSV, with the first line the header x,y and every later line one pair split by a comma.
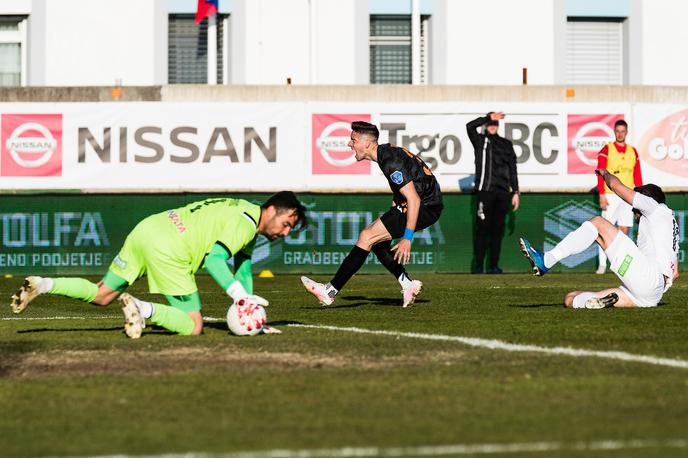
x,y
646,270
169,247
417,204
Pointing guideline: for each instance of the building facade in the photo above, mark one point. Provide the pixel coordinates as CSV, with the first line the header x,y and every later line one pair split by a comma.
x,y
348,42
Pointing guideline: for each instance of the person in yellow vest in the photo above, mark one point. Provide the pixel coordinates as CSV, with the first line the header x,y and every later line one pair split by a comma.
x,y
622,161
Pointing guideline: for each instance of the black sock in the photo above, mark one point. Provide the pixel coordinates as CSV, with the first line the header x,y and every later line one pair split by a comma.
x,y
383,251
353,261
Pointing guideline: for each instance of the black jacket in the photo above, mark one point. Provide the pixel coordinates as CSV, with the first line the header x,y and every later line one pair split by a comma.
x,y
495,159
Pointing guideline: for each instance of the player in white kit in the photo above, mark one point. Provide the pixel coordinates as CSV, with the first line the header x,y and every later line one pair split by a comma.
x,y
646,270
623,161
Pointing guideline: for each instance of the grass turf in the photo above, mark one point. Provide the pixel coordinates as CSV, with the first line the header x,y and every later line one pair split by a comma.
x,y
80,387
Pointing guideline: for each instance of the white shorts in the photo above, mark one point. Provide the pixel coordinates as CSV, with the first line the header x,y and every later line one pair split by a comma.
x,y
618,211
640,276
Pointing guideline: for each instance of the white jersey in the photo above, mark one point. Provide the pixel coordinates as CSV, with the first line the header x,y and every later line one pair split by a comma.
x,y
657,234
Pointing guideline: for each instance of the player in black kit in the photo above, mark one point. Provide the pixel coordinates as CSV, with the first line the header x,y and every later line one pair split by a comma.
x,y
417,204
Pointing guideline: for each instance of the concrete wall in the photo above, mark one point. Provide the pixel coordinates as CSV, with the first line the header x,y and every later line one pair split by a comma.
x,y
443,93
95,42
342,93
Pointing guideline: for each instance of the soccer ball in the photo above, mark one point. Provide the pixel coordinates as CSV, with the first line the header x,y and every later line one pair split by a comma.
x,y
246,318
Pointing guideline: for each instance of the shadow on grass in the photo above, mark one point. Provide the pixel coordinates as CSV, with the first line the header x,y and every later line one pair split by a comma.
x,y
29,331
346,305
396,302
157,330
384,301
532,306
334,307
222,326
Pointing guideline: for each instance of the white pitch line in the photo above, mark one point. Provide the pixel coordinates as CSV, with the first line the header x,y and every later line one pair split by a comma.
x,y
491,344
431,450
506,346
212,319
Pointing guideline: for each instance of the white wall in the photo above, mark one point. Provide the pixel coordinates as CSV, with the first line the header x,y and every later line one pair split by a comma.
x,y
490,43
664,39
95,42
311,42
274,37
335,49
15,7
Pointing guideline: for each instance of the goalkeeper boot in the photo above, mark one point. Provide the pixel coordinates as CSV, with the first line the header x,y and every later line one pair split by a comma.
x,y
319,291
536,257
411,292
602,302
133,321
29,290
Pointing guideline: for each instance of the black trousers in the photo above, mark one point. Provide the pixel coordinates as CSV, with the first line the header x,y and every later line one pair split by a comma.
x,y
491,210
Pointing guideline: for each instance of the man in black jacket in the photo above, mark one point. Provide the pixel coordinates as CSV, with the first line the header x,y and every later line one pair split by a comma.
x,y
496,184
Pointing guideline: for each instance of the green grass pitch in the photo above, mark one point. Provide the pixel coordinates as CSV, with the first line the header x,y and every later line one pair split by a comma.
x,y
72,387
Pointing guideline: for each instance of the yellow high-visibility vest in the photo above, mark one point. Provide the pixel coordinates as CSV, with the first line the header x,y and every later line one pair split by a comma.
x,y
621,165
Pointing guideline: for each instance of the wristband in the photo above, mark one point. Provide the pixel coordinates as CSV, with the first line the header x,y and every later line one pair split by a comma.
x,y
236,290
408,234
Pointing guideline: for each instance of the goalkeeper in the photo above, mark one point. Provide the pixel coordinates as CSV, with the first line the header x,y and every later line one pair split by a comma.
x,y
169,247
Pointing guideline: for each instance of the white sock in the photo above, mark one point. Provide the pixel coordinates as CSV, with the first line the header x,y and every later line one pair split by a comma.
x,y
550,260
404,281
576,242
330,290
601,258
45,285
579,301
146,309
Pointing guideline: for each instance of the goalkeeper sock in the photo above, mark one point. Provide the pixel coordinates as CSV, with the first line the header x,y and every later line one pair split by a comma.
x,y
172,319
146,309
576,242
77,288
351,264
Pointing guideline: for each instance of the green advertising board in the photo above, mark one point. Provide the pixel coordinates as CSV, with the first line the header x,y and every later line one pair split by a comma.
x,y
80,233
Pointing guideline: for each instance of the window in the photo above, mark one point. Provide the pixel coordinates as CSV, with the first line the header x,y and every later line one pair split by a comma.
x,y
594,51
390,49
187,61
12,51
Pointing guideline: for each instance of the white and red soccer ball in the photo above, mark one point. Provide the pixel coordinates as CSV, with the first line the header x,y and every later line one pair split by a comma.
x,y
246,318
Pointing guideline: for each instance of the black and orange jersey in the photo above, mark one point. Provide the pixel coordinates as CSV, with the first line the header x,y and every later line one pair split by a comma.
x,y
400,167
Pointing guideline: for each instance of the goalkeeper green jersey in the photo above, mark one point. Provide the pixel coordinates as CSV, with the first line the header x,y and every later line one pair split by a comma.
x,y
169,247
232,223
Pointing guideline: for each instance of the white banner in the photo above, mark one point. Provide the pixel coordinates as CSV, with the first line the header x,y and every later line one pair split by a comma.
x,y
253,147
545,141
152,146
663,143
